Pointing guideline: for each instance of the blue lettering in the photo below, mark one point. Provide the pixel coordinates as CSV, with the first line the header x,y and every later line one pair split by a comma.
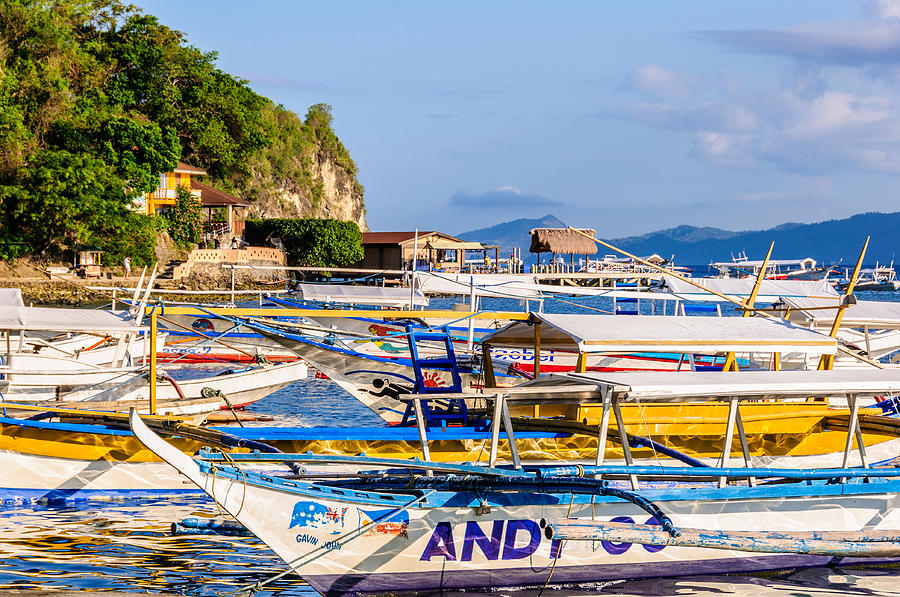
x,y
475,536
653,548
555,549
510,551
617,548
302,538
440,544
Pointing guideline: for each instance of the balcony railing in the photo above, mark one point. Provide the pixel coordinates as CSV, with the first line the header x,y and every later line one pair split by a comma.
x,y
172,194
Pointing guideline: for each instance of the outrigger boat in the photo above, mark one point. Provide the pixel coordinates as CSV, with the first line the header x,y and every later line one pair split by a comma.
x,y
557,342
416,525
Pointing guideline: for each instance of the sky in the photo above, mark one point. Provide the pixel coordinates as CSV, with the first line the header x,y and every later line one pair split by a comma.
x,y
626,117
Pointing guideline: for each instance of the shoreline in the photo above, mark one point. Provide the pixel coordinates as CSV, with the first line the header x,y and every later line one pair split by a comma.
x,y
74,292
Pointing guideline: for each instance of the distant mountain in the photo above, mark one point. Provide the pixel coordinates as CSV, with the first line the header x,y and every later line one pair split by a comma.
x,y
509,235
670,241
826,242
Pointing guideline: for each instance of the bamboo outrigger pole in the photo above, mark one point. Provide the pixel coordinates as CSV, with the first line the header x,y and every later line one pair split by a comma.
x,y
731,359
826,361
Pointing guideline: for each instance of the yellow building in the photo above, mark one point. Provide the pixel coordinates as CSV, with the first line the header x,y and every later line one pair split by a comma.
x,y
164,196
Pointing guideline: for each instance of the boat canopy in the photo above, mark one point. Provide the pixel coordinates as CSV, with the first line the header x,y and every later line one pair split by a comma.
x,y
360,295
700,335
514,286
504,286
446,244
740,288
11,297
816,312
668,386
67,320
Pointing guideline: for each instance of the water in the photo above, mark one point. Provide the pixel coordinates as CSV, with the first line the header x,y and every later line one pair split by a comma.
x,y
126,546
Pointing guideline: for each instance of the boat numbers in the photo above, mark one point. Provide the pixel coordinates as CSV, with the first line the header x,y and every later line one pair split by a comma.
x,y
520,540
521,354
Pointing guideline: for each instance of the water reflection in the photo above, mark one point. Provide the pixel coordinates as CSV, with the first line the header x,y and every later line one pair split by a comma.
x,y
127,547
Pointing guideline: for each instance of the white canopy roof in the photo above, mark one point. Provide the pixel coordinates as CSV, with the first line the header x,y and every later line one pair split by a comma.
x,y
668,386
505,286
517,286
875,314
701,335
11,297
66,320
440,243
360,295
740,288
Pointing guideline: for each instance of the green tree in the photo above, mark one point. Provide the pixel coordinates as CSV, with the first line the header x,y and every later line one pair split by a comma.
x,y
61,199
185,219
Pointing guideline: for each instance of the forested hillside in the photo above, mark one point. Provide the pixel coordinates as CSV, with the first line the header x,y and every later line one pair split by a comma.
x,y
97,98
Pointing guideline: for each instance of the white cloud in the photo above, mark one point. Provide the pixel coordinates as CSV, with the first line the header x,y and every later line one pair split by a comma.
x,y
882,9
655,80
804,128
506,197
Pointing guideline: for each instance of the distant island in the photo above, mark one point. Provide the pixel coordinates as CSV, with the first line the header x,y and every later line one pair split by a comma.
x,y
827,242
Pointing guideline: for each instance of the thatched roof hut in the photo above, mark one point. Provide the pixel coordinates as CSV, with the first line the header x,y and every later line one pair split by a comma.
x,y
562,241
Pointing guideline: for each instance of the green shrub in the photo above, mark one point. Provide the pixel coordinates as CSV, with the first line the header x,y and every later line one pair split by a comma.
x,y
310,241
185,219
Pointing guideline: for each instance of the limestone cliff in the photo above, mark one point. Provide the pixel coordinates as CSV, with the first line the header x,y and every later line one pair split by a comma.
x,y
305,172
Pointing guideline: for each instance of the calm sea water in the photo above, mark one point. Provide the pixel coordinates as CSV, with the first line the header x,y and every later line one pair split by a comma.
x,y
126,546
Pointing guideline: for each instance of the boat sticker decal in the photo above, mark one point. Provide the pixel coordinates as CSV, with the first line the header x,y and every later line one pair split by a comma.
x,y
380,330
317,516
386,523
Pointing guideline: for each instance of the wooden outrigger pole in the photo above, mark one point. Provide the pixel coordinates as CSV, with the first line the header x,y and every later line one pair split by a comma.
x,y
826,361
731,359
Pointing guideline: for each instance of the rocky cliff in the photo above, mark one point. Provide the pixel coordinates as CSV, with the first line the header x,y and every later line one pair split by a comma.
x,y
334,193
305,171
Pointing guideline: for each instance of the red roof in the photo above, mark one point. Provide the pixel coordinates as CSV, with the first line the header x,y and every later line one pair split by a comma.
x,y
392,238
210,197
183,168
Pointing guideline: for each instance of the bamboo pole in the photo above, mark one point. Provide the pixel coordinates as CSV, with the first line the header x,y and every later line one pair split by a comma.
x,y
826,361
731,358
153,324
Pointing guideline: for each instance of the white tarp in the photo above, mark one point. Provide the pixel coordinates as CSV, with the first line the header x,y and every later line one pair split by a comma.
x,y
11,297
821,313
674,386
360,295
515,286
497,285
628,334
740,288
66,320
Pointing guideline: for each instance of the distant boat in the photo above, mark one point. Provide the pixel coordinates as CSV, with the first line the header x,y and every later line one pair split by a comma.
x,y
776,269
879,278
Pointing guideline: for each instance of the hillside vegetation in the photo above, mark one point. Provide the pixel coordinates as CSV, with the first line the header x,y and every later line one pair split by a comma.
x,y
97,98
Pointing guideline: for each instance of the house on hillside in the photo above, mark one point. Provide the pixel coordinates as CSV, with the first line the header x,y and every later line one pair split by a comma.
x,y
433,251
225,213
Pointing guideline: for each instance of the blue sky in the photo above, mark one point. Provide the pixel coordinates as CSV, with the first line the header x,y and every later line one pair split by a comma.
x,y
626,117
